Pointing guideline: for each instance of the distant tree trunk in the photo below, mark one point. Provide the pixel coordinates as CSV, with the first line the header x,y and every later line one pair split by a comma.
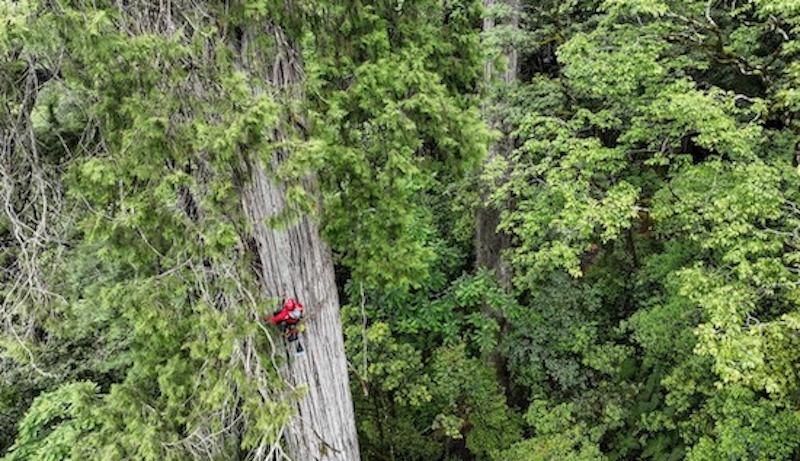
x,y
489,242
509,74
488,25
295,262
512,54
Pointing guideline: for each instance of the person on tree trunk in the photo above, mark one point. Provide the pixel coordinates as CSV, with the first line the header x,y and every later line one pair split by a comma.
x,y
288,319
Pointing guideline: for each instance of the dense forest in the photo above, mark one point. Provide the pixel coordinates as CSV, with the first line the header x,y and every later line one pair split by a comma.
x,y
522,230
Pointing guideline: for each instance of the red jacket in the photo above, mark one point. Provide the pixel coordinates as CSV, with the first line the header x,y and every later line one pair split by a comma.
x,y
291,313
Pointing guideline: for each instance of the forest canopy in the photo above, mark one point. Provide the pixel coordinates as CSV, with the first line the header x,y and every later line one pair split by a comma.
x,y
521,230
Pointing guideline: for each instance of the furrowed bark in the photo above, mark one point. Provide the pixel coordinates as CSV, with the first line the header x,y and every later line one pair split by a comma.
x,y
296,262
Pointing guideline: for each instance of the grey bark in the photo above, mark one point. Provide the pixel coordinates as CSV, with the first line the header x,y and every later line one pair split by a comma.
x,y
296,262
489,242
509,74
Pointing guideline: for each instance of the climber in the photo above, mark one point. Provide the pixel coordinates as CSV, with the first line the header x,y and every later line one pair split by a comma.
x,y
288,319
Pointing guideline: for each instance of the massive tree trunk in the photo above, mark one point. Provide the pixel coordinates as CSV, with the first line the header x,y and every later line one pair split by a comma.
x,y
295,262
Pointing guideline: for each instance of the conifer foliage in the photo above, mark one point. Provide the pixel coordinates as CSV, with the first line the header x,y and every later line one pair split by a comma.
x,y
160,166
522,230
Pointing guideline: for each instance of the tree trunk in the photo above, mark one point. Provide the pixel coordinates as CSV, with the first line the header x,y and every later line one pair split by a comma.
x,y
509,74
489,242
295,262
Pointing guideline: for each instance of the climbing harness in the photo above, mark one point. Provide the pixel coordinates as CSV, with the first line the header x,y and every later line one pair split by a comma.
x,y
289,320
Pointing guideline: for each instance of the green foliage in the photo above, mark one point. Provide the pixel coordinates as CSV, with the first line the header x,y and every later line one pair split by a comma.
x,y
560,437
56,423
748,427
393,128
155,296
656,166
160,276
412,362
650,198
469,397
569,446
